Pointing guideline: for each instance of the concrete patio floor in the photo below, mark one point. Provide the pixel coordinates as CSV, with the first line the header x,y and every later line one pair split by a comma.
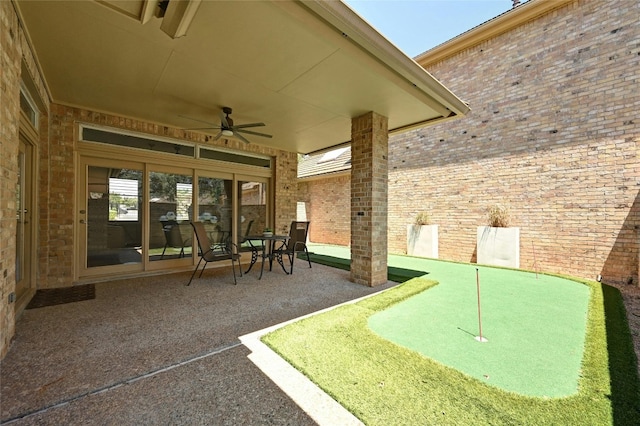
x,y
153,351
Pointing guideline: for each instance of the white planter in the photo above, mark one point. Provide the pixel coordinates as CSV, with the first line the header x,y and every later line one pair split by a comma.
x,y
498,246
422,240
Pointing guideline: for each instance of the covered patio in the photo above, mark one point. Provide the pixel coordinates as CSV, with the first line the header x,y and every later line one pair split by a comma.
x,y
134,91
152,350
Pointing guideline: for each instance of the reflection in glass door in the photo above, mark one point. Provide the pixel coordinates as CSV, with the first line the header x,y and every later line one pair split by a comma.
x,y
170,210
215,208
252,211
24,222
113,217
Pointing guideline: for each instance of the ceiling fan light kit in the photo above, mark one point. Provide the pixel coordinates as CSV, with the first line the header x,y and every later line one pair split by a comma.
x,y
228,129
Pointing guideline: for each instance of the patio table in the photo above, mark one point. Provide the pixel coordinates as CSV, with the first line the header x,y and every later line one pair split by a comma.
x,y
267,247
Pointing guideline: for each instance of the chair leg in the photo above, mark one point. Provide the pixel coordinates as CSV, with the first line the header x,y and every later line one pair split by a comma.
x,y
233,268
307,253
203,266
292,256
194,272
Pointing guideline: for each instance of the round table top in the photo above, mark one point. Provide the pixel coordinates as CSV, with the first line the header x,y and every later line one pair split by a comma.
x,y
266,237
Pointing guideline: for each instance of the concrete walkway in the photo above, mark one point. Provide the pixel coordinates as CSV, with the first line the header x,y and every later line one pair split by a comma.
x,y
153,351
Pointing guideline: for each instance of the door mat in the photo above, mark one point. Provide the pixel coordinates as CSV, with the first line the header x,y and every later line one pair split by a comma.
x,y
59,296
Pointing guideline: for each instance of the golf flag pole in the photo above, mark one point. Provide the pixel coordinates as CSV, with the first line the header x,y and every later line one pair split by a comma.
x,y
479,338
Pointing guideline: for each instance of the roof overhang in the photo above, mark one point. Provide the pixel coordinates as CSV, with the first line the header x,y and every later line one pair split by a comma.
x,y
501,24
305,69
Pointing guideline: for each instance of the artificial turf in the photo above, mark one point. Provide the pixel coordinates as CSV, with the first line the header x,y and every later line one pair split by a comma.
x,y
534,324
534,327
383,382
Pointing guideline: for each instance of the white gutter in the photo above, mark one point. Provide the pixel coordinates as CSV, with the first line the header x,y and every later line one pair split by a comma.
x,y
345,20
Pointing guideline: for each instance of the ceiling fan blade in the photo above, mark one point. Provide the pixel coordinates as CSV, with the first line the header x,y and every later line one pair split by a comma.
x,y
249,132
201,121
242,138
223,120
217,136
242,126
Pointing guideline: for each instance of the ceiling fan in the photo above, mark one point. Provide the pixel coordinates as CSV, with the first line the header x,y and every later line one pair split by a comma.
x,y
228,129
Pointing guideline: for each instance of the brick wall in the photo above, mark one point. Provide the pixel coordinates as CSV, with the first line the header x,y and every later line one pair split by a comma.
x,y
328,202
16,59
10,54
58,230
553,133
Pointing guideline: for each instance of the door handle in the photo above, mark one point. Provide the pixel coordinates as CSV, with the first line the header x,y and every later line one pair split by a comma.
x,y
83,221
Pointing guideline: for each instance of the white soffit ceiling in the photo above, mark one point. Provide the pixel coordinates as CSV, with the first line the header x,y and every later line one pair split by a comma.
x,y
304,69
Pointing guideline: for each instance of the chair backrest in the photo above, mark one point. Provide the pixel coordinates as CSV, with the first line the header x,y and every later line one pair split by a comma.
x,y
298,235
248,228
204,244
172,233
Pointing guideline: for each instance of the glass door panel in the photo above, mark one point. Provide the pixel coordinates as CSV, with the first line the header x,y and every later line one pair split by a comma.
x,y
215,199
170,210
252,208
113,217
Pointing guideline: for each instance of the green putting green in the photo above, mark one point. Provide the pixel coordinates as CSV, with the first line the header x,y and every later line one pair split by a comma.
x,y
535,326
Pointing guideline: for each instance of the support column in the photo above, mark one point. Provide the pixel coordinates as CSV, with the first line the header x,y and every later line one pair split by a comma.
x,y
369,181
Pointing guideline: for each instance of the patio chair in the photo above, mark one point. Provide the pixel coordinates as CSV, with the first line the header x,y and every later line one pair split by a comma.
x,y
297,244
214,253
173,237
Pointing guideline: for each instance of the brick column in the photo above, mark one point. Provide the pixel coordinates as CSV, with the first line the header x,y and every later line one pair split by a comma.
x,y
286,190
369,178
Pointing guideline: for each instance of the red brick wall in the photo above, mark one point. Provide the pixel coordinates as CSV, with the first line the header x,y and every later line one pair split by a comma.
x,y
328,203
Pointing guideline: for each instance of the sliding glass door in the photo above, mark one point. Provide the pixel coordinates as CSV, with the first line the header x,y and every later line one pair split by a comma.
x,y
170,211
111,217
253,215
215,207
135,216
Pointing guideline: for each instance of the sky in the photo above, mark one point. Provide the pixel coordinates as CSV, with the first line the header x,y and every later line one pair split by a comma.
x,y
416,26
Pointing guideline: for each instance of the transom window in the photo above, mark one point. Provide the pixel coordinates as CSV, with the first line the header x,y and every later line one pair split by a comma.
x,y
181,148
